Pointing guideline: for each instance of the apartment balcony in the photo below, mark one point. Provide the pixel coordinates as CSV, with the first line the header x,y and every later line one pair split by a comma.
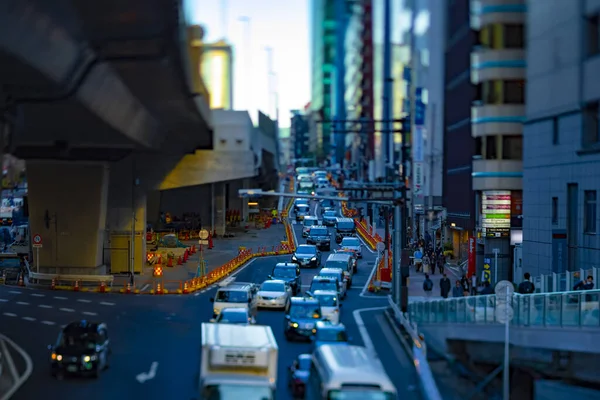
x,y
486,12
491,64
497,174
497,119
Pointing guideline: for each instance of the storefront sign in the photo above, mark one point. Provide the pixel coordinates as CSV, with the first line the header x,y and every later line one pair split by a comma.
x,y
418,176
496,211
471,266
417,150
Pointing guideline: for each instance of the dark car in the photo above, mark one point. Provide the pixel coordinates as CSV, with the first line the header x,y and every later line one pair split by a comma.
x,y
344,227
298,374
302,211
329,218
289,272
320,237
307,255
327,205
301,318
82,348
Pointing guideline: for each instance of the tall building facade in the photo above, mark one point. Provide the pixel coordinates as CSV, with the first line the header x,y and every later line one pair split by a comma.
x,y
459,145
299,135
217,74
497,116
323,37
561,163
359,84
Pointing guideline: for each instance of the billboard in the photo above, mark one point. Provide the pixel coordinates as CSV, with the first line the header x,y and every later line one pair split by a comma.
x,y
471,263
496,210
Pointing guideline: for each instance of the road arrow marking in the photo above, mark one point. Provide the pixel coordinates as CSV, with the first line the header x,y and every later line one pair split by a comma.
x,y
146,376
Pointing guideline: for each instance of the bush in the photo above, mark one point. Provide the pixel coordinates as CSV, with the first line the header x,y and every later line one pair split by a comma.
x,y
448,246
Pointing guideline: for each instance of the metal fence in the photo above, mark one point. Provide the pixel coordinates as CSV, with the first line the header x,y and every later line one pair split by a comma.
x,y
564,281
562,309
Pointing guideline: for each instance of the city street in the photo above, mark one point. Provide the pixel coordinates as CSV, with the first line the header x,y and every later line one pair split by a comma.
x,y
166,330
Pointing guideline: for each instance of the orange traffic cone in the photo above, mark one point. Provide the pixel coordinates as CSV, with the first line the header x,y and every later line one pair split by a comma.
x,y
128,288
159,289
53,284
170,262
76,287
102,288
179,261
21,281
210,242
194,249
186,288
185,256
159,259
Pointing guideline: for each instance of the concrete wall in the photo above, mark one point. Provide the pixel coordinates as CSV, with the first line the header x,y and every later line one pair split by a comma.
x,y
233,130
195,199
74,197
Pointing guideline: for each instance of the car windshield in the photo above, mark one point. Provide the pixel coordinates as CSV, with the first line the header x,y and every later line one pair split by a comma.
x,y
304,364
272,287
352,242
359,393
284,273
336,264
345,225
309,222
236,392
306,185
303,208
86,341
327,300
232,296
319,232
332,335
331,275
233,317
306,250
329,213
323,285
300,202
301,311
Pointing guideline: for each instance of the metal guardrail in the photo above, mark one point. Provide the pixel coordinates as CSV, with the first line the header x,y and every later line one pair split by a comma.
x,y
109,279
427,383
561,309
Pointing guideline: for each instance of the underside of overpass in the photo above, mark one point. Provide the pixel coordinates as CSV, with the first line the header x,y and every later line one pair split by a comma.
x,y
97,96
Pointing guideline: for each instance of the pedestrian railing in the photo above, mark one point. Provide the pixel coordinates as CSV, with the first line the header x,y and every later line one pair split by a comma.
x,y
561,309
564,281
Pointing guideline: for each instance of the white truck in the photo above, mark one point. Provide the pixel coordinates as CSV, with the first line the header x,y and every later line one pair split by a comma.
x,y
238,362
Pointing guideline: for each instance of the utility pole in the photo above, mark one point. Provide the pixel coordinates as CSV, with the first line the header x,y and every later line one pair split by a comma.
x,y
340,80
431,211
388,80
247,31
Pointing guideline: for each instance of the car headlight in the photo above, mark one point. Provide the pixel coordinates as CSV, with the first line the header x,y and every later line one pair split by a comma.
x,y
87,359
56,357
313,259
294,324
215,310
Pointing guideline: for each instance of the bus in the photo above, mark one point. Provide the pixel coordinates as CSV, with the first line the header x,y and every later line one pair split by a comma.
x,y
348,373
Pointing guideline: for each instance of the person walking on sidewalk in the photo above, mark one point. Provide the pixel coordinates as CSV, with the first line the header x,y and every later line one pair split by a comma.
x,y
445,286
457,290
464,281
426,264
526,287
427,286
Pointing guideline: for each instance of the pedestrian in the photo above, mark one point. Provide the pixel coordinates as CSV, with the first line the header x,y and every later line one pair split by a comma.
x,y
445,286
441,262
588,284
426,264
427,286
526,287
457,290
487,288
464,281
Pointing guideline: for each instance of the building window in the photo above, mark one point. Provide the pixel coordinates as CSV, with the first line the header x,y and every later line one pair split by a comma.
x,y
591,125
491,148
555,132
514,92
589,212
512,147
593,35
555,211
514,36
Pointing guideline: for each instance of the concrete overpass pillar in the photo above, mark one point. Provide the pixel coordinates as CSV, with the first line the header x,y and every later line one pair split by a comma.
x,y
67,207
219,208
126,219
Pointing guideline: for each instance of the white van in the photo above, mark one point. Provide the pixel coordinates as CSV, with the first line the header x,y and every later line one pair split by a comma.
x,y
235,295
330,304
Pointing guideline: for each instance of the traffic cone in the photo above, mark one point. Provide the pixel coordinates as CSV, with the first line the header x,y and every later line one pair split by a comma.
x,y
185,256
210,242
193,249
159,289
21,281
53,284
128,288
170,262
179,261
186,288
159,259
102,288
76,287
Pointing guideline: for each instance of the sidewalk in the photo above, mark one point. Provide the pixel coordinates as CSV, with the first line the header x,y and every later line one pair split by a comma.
x,y
415,284
224,250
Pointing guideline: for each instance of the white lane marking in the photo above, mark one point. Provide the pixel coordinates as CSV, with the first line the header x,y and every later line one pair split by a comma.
x,y
362,329
146,376
44,306
84,301
67,309
3,300
14,292
47,322
31,319
106,303
145,287
198,294
60,298
38,295
17,383
22,303
89,313
9,314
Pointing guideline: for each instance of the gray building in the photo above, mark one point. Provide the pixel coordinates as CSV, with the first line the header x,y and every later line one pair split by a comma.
x,y
561,160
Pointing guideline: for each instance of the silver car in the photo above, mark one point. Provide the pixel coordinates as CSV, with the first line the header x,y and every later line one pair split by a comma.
x,y
353,244
274,293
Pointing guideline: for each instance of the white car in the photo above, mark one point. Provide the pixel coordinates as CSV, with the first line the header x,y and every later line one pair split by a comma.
x,y
353,244
274,293
330,304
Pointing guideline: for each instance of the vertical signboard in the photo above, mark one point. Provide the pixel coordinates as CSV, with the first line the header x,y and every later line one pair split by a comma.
x,y
559,251
418,179
495,210
419,107
417,150
471,263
